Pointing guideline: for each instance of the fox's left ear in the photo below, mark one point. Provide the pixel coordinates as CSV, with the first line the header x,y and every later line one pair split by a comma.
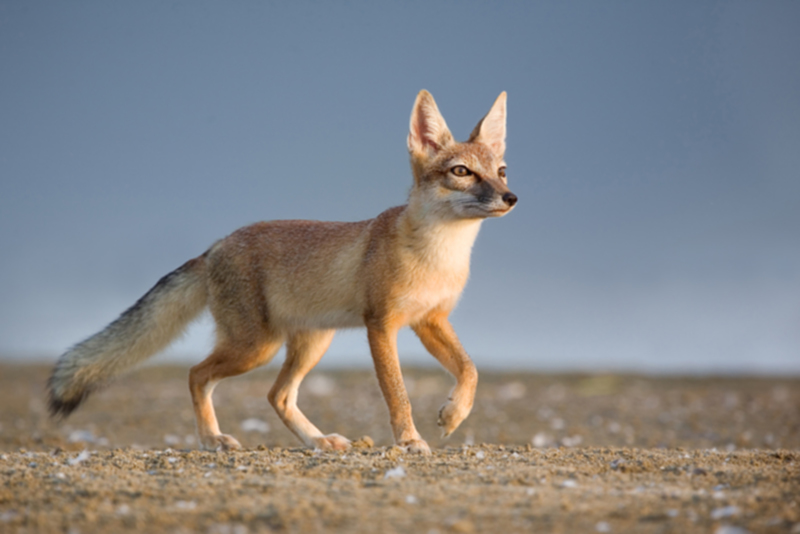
x,y
491,130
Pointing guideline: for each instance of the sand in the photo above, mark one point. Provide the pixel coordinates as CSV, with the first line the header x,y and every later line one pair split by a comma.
x,y
540,453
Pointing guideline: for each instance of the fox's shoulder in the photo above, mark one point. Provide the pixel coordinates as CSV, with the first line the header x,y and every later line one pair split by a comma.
x,y
389,216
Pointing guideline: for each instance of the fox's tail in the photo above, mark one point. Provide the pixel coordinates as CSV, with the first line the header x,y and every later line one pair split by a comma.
x,y
141,331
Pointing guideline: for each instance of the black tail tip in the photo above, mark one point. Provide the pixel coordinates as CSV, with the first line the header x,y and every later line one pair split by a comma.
x,y
61,408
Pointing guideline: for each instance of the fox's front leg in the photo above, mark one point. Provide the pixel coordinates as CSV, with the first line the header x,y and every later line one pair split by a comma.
x,y
383,344
438,336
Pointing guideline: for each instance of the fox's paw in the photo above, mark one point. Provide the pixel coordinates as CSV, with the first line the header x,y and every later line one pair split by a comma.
x,y
415,446
220,442
451,414
332,442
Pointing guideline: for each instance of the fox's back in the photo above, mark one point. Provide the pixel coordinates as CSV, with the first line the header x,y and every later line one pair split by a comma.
x,y
299,274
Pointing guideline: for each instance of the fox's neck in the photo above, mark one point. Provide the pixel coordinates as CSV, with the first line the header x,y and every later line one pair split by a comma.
x,y
439,242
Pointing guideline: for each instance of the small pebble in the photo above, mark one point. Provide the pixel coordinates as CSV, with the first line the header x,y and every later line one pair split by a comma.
x,y
185,505
541,440
602,526
511,391
727,511
81,435
254,425
82,457
8,516
397,472
319,385
730,529
617,463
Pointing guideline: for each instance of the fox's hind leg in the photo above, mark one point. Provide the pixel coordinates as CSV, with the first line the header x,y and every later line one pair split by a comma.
x,y
303,351
227,360
440,339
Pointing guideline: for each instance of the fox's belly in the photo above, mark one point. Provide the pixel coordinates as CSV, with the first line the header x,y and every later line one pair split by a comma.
x,y
320,306
332,319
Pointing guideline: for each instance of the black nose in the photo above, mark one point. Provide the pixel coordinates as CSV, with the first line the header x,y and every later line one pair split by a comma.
x,y
510,198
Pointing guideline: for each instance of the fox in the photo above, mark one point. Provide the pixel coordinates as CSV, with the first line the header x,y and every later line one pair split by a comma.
x,y
295,282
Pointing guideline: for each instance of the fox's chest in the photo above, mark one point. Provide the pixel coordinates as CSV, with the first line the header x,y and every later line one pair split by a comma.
x,y
446,248
429,293
440,269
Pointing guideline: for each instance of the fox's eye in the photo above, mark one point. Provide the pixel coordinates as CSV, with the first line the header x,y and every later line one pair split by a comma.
x,y
460,170
501,172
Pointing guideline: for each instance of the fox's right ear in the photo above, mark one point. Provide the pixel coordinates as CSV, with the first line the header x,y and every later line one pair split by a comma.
x,y
491,130
428,131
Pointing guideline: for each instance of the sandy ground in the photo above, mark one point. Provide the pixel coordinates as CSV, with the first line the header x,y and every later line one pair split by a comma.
x,y
540,453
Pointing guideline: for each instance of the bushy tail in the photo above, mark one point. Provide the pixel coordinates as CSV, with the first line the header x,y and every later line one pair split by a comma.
x,y
141,331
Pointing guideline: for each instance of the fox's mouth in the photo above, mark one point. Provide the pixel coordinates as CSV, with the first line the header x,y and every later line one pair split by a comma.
x,y
486,212
501,211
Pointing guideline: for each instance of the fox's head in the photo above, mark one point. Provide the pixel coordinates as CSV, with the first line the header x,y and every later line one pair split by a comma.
x,y
459,180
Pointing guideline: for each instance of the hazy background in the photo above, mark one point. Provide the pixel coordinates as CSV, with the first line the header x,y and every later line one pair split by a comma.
x,y
654,146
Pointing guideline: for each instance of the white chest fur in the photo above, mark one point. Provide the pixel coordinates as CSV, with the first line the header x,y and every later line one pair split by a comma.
x,y
446,247
441,265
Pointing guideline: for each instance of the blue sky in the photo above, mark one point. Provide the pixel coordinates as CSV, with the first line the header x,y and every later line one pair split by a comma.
x,y
653,146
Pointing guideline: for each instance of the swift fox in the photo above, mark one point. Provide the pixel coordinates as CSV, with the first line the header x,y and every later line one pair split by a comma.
x,y
296,282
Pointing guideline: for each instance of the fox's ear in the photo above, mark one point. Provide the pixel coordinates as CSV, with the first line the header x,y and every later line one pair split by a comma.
x,y
491,130
428,131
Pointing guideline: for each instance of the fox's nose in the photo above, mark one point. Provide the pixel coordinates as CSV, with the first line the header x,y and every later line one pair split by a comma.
x,y
510,198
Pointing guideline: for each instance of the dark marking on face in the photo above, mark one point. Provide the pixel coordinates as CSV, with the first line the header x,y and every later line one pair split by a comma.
x,y
485,192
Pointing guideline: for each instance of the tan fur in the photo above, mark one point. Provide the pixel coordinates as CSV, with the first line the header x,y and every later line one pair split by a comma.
x,y
296,282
